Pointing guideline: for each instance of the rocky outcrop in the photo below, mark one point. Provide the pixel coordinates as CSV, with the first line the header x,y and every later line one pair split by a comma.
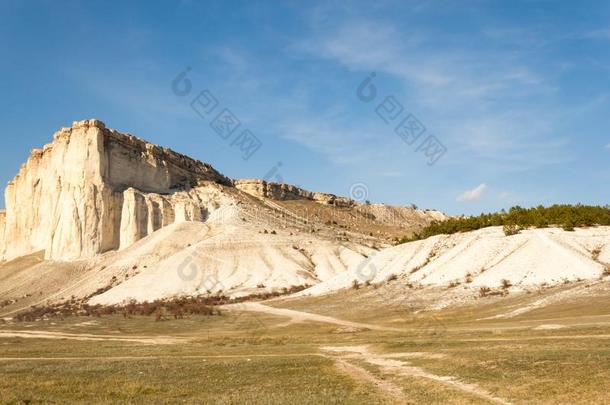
x,y
74,198
145,213
94,189
331,199
277,191
391,215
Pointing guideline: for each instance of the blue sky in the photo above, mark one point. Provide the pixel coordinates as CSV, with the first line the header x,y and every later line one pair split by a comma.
x,y
517,91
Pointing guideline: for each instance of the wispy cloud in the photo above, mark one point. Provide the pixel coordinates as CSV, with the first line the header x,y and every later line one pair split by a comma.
x,y
464,92
417,57
329,133
472,195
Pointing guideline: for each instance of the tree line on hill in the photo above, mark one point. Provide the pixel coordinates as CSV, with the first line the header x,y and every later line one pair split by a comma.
x,y
559,215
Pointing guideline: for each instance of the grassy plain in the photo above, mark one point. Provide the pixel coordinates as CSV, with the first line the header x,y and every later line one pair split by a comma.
x,y
558,353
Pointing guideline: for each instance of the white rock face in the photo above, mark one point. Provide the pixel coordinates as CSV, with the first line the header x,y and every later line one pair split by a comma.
x,y
78,196
145,213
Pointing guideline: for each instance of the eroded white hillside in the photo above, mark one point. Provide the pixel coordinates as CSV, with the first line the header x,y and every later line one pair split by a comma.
x,y
484,258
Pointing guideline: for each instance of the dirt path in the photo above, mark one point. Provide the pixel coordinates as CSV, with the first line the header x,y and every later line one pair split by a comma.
x,y
360,374
89,337
393,366
299,316
543,337
122,358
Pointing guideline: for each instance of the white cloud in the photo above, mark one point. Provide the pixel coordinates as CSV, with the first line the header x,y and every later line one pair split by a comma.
x,y
474,194
608,146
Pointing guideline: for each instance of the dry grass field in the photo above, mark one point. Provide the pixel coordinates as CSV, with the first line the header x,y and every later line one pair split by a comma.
x,y
320,350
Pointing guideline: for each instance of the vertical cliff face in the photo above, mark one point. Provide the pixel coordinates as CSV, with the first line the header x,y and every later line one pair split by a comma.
x,y
145,213
87,192
59,196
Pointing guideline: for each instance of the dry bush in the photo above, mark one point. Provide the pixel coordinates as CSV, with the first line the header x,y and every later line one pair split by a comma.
x,y
510,230
488,292
177,307
392,277
484,291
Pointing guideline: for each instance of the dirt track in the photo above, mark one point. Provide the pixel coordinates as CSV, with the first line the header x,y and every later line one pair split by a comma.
x,y
392,366
298,316
90,337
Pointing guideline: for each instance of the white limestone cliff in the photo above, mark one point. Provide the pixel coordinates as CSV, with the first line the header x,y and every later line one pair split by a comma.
x,y
93,190
87,192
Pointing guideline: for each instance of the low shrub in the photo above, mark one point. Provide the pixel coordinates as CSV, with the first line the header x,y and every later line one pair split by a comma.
x,y
510,230
162,309
561,215
596,252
